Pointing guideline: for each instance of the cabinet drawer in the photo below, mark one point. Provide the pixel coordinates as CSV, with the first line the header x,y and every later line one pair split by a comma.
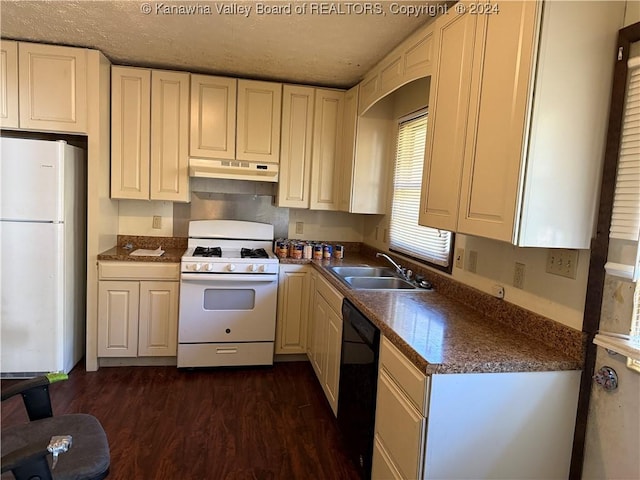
x,y
138,271
383,467
330,294
399,428
407,376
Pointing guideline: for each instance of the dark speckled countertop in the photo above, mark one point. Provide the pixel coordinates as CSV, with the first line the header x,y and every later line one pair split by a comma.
x,y
441,334
173,249
451,329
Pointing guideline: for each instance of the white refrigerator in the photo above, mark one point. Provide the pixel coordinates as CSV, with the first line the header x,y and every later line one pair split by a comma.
x,y
42,256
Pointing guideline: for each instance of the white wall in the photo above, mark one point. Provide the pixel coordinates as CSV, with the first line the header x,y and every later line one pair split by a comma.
x,y
136,217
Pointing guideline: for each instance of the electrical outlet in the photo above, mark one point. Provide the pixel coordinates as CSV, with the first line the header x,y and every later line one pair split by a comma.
x,y
300,228
563,262
498,291
459,257
157,222
473,261
518,275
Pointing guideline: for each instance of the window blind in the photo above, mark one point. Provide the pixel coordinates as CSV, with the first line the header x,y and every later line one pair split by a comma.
x,y
625,223
405,235
624,232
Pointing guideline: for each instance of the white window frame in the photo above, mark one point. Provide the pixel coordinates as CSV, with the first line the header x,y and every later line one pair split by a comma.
x,y
406,236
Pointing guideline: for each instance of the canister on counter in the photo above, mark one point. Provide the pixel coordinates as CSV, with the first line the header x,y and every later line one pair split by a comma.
x,y
297,250
307,251
282,249
328,250
338,251
317,251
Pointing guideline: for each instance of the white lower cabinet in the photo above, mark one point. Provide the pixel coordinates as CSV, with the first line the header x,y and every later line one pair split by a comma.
x,y
472,425
325,339
137,309
293,309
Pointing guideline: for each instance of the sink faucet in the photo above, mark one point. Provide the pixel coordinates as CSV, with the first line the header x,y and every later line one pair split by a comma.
x,y
399,270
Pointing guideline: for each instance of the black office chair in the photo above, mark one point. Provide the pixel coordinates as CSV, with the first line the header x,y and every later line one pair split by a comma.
x,y
63,447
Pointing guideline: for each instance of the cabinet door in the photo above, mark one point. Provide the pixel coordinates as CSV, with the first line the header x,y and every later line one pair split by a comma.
x,y
118,304
295,152
382,466
9,84
258,125
446,128
348,159
130,132
158,326
169,136
333,349
499,105
53,88
293,302
399,428
318,349
213,117
311,314
327,132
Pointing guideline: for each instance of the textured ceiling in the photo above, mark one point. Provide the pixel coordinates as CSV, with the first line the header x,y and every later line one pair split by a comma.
x,y
334,47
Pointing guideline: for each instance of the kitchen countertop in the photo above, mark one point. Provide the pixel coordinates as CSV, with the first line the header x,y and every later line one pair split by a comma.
x,y
440,334
174,248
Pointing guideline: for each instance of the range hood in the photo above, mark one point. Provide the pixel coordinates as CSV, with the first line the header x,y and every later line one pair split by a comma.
x,y
233,169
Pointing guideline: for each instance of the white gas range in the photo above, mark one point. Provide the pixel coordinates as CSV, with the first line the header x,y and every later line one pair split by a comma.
x,y
228,295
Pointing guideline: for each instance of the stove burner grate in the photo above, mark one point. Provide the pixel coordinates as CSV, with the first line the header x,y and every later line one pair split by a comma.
x,y
207,252
253,253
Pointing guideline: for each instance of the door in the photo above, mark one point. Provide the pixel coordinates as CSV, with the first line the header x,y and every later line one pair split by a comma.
x,y
610,443
31,265
158,322
53,88
118,314
327,132
169,136
213,117
293,302
258,124
333,348
130,132
295,155
32,172
227,308
9,84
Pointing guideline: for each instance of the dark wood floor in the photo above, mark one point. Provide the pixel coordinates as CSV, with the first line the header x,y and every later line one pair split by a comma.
x,y
165,423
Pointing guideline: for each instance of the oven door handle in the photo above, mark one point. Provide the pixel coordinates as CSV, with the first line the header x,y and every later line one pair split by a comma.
x,y
228,277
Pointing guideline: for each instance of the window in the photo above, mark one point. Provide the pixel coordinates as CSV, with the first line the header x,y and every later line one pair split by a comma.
x,y
405,235
634,363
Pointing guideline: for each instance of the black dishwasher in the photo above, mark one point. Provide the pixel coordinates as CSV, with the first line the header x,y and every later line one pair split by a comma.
x,y
358,385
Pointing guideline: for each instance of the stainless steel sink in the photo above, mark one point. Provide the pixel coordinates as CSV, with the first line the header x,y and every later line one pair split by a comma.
x,y
378,283
363,271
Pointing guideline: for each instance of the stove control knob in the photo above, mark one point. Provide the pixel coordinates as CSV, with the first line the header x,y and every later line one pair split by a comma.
x,y
253,268
262,268
209,267
197,267
231,267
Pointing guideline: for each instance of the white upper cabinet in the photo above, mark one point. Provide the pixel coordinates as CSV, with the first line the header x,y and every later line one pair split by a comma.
x,y
365,155
327,146
530,170
169,136
296,145
447,123
258,123
9,117
410,60
213,117
149,134
130,132
44,87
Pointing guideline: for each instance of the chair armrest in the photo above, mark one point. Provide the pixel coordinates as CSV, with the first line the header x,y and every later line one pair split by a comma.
x,y
28,462
35,394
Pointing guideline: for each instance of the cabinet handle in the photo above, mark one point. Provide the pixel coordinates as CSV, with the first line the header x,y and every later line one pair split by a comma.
x,y
227,350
